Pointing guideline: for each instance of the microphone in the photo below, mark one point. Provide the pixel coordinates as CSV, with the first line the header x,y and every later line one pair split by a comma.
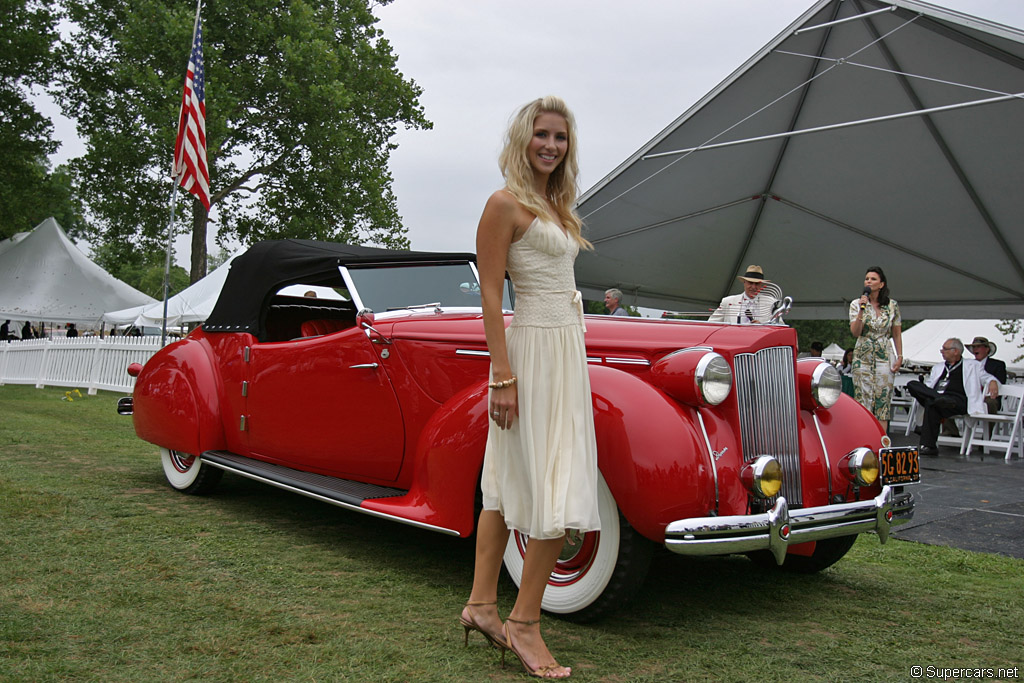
x,y
867,293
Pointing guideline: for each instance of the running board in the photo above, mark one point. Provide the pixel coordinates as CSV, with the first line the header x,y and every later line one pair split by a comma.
x,y
341,492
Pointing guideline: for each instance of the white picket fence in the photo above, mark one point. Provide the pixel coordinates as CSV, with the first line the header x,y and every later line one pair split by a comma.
x,y
83,362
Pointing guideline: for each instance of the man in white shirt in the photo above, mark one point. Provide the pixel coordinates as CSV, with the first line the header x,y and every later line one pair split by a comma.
x,y
955,387
748,307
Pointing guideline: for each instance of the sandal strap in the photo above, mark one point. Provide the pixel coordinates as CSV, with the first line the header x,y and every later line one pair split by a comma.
x,y
477,603
528,622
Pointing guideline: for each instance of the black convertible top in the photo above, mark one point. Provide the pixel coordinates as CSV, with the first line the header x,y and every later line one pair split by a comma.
x,y
257,275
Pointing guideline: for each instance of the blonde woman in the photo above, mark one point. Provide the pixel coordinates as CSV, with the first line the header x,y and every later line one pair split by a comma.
x,y
540,466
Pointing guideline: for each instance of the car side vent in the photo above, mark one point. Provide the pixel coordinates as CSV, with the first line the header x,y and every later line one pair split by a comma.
x,y
766,393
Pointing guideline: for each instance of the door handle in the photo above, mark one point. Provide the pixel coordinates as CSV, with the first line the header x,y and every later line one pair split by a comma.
x,y
363,365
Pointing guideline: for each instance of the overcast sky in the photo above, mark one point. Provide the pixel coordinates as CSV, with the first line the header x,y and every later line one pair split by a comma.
x,y
627,69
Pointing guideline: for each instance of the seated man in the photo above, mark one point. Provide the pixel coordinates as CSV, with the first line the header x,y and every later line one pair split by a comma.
x,y
955,387
748,307
983,351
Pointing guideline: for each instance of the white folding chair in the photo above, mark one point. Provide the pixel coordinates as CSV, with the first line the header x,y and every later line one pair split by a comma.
x,y
902,405
1005,425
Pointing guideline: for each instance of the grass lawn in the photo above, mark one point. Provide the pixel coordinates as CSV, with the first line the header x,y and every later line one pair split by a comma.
x,y
108,574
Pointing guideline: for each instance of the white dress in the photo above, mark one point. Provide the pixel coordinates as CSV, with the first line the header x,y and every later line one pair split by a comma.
x,y
541,474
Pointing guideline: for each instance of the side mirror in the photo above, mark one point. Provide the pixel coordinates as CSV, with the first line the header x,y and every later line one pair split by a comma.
x,y
364,318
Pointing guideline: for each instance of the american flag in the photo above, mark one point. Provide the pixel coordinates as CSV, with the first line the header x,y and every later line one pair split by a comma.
x,y
190,169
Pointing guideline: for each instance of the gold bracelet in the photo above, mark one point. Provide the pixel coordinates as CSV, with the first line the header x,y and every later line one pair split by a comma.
x,y
504,384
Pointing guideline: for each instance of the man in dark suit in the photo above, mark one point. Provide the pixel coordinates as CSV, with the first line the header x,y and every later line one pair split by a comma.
x,y
983,351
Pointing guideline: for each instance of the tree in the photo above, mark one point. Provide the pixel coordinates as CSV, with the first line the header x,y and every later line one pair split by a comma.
x,y
28,30
1010,329
302,100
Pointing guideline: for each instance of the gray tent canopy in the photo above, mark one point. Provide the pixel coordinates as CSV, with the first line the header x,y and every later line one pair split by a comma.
x,y
44,276
868,133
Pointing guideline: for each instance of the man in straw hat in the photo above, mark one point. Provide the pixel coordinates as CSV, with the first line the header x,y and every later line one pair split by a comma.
x,y
983,351
748,307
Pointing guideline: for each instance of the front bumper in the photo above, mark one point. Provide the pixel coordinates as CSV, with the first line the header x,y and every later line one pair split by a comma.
x,y
778,528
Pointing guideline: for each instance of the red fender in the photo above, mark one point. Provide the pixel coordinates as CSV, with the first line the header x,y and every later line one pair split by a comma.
x,y
176,400
448,458
650,452
845,426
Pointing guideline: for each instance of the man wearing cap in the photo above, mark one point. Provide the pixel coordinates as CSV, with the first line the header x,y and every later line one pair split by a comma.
x,y
983,351
748,307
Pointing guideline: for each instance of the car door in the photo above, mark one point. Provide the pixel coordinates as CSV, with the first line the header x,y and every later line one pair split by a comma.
x,y
325,404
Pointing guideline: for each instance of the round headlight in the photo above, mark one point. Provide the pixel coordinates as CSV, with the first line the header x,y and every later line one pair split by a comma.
x,y
861,466
826,385
714,378
763,477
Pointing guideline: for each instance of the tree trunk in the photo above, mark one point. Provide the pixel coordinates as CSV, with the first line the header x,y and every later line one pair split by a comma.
x,y
199,219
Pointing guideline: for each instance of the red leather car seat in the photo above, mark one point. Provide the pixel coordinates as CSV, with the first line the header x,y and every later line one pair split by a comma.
x,y
316,328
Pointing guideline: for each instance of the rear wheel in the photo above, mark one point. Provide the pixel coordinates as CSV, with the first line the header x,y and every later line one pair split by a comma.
x,y
599,573
189,474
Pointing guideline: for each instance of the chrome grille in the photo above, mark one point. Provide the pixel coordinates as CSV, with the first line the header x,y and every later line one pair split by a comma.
x,y
766,393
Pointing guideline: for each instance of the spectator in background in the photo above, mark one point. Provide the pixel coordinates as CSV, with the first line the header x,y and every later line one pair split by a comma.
x,y
5,330
983,351
955,387
26,330
748,307
874,320
817,348
72,331
612,297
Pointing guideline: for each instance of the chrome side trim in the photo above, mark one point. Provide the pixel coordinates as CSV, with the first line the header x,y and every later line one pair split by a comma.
x,y
824,448
780,527
711,454
628,361
325,499
472,352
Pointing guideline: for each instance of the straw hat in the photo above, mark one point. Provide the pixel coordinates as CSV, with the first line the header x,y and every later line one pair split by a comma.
x,y
753,274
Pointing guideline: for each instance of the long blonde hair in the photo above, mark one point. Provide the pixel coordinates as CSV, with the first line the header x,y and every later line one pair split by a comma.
x,y
515,166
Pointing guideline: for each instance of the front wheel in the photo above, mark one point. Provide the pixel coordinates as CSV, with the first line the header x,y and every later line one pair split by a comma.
x,y
599,573
189,474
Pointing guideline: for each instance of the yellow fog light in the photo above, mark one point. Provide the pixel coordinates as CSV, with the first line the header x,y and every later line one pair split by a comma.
x,y
763,476
861,466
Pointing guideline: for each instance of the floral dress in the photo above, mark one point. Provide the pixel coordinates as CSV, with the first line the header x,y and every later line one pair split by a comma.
x,y
872,358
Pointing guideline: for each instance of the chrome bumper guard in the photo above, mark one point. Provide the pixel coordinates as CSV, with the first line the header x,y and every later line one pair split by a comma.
x,y
778,528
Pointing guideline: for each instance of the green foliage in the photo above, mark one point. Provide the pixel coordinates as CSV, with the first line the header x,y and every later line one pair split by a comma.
x,y
302,101
109,575
1010,329
28,30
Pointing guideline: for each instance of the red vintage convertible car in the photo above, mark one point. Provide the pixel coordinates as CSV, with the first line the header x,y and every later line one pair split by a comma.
x,y
712,439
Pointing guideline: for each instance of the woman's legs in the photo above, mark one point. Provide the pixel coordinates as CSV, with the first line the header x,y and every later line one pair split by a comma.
x,y
540,559
491,538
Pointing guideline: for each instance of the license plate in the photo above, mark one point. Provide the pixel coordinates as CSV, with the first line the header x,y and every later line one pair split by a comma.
x,y
899,465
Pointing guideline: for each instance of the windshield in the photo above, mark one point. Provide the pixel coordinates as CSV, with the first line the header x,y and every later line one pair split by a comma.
x,y
399,287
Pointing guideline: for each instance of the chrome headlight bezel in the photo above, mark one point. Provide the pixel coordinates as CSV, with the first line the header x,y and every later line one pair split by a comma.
x,y
714,378
861,466
826,385
762,476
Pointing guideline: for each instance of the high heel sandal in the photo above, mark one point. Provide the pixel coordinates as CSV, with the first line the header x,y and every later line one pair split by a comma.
x,y
539,672
495,639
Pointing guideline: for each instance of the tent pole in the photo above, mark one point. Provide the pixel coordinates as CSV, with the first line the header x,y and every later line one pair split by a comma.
x,y
167,264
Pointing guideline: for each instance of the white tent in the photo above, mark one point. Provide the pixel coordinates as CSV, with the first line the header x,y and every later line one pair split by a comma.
x,y
192,304
868,133
45,277
833,352
921,342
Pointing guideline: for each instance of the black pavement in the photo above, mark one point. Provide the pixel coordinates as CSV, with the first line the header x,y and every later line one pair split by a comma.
x,y
974,502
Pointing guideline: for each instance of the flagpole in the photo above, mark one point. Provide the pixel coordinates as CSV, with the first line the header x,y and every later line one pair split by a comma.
x,y
167,262
179,169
